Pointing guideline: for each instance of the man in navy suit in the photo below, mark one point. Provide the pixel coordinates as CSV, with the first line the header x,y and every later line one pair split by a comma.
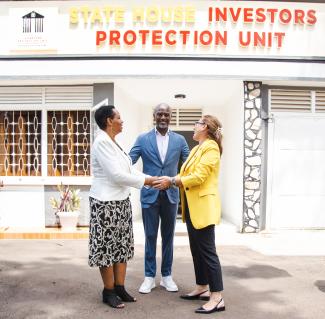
x,y
160,150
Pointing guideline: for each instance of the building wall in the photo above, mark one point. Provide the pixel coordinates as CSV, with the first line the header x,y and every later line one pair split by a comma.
x,y
226,103
230,114
22,206
220,79
232,161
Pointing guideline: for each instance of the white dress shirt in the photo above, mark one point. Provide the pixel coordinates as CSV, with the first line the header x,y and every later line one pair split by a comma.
x,y
162,143
112,171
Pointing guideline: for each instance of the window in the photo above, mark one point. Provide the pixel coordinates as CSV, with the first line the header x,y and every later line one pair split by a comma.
x,y
20,143
45,131
68,143
297,100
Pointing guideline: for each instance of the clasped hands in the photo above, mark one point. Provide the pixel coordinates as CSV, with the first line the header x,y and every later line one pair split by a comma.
x,y
160,182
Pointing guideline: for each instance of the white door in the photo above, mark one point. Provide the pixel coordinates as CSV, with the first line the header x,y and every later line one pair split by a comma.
x,y
296,180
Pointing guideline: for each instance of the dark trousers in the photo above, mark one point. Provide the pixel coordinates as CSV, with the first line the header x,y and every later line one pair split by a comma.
x,y
165,211
205,259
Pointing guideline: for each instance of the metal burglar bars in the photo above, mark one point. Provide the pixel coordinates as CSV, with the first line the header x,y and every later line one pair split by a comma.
x,y
20,143
68,143
45,131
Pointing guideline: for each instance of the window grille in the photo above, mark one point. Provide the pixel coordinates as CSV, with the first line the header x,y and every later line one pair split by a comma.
x,y
320,101
295,100
20,143
291,100
68,96
68,143
31,97
45,131
185,117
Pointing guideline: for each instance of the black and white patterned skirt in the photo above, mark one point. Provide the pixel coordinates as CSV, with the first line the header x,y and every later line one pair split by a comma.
x,y
110,232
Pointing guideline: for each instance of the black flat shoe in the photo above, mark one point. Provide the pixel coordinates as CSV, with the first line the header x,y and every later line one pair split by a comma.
x,y
123,294
110,298
195,297
205,298
215,309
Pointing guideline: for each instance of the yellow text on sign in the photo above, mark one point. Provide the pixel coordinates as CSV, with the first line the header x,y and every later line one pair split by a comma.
x,y
151,15
156,14
96,15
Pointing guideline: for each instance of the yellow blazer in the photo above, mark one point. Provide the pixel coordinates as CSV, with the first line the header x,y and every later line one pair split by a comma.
x,y
199,176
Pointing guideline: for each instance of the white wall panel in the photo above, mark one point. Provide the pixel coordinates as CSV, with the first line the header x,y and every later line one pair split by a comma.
x,y
22,206
298,181
231,114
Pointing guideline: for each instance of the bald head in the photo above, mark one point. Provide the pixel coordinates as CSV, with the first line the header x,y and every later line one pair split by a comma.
x,y
162,114
163,107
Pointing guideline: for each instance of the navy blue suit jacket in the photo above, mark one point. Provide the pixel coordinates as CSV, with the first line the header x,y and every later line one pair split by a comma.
x,y
146,148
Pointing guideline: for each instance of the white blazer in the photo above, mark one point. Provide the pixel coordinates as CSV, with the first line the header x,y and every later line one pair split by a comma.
x,y
112,170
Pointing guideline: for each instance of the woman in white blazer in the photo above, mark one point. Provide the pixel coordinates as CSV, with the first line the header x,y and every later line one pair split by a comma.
x,y
111,242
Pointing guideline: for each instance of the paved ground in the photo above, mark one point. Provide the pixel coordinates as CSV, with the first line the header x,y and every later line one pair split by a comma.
x,y
51,279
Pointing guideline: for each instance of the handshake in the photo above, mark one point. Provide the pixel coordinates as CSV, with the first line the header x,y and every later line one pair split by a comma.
x,y
160,182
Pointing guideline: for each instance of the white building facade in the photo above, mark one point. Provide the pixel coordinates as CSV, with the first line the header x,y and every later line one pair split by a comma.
x,y
257,66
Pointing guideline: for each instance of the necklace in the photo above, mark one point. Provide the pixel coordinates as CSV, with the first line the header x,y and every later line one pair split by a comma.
x,y
120,148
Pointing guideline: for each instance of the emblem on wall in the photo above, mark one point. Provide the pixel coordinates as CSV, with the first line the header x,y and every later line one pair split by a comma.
x,y
33,30
33,22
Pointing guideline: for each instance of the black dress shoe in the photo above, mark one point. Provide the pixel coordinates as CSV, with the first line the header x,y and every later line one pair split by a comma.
x,y
215,309
195,297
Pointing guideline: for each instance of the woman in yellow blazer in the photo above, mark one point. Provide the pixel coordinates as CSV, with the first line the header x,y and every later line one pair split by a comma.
x,y
201,210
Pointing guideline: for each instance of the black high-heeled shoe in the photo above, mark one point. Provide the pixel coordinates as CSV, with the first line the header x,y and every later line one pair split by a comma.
x,y
123,294
215,309
196,297
110,298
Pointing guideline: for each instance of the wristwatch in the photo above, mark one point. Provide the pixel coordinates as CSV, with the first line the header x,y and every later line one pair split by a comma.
x,y
173,181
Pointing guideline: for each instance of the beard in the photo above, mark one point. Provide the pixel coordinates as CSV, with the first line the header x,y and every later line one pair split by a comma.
x,y
162,125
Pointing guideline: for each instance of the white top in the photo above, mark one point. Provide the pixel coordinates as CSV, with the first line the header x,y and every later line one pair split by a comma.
x,y
162,143
112,171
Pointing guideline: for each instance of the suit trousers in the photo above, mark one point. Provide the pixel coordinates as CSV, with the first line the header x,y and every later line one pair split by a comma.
x,y
165,211
206,262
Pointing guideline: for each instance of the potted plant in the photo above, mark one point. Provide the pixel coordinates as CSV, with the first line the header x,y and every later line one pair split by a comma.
x,y
67,206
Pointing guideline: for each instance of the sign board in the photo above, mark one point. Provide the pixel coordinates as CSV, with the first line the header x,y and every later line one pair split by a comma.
x,y
162,28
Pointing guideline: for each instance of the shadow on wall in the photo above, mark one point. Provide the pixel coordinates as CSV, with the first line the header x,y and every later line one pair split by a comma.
x,y
320,284
51,279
